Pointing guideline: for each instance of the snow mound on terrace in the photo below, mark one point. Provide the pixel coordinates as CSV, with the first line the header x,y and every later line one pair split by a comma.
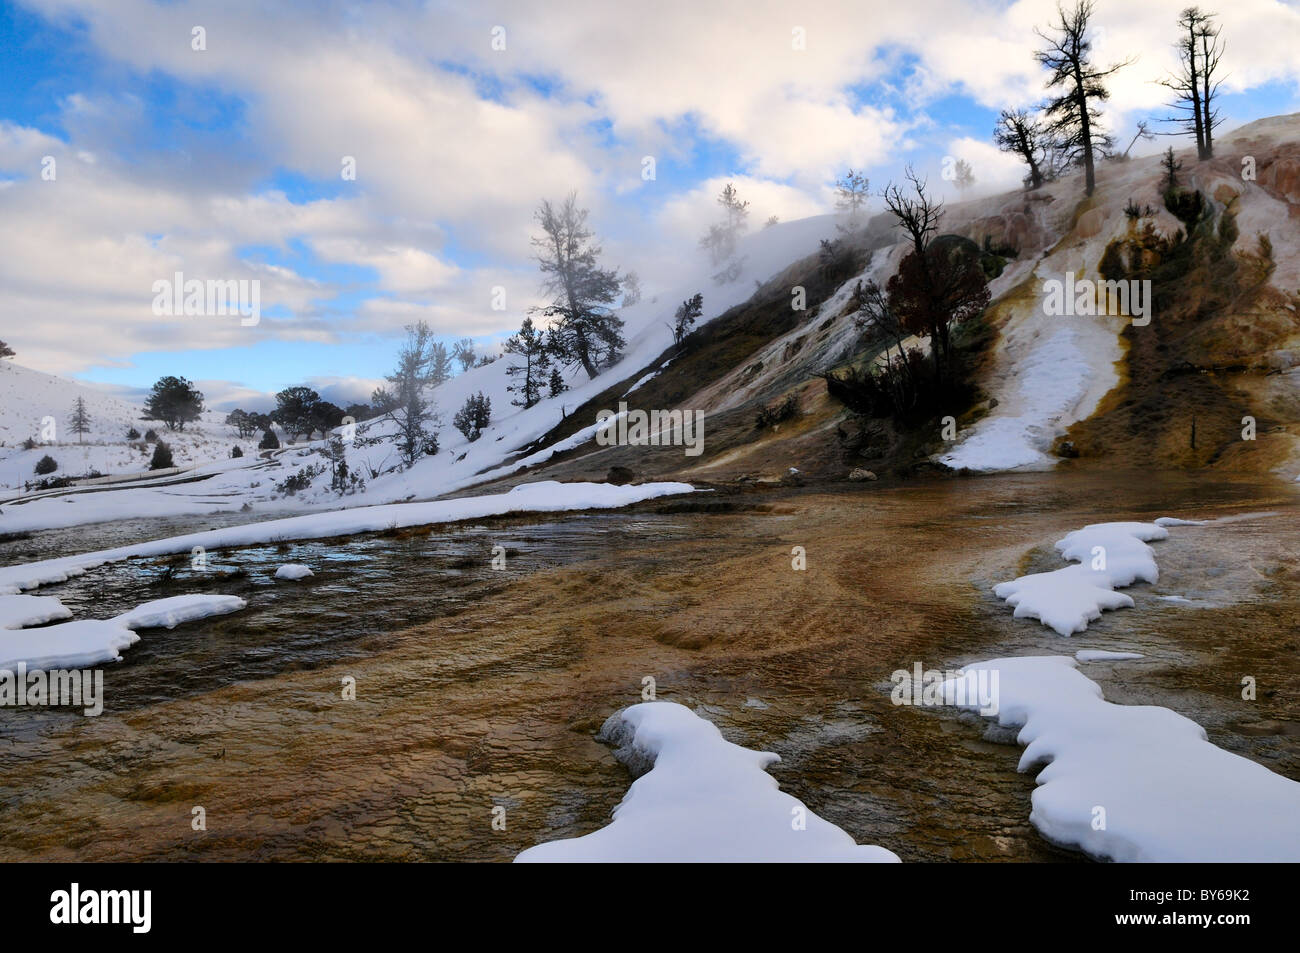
x,y
1136,783
705,799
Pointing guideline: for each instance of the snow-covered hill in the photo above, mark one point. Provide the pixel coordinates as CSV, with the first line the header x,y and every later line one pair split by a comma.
x,y
1044,374
32,401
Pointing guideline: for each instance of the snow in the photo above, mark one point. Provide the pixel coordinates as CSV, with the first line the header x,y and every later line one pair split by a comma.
x,y
293,571
1047,385
705,800
169,613
1110,556
1113,773
78,644
28,396
87,642
541,497
1097,655
17,612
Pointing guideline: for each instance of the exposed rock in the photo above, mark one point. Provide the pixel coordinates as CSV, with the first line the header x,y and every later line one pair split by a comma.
x,y
859,474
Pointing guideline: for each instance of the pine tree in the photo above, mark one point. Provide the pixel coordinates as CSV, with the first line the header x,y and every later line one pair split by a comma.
x,y
557,385
174,401
1072,119
79,419
473,418
532,348
684,320
584,328
721,238
404,402
162,457
853,191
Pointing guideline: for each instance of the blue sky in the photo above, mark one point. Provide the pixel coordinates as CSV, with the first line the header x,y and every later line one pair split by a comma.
x,y
224,161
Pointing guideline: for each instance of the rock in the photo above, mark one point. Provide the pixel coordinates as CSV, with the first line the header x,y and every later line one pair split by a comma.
x,y
619,476
1283,177
859,474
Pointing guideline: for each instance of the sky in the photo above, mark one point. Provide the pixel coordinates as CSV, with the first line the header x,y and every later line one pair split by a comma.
x,y
140,139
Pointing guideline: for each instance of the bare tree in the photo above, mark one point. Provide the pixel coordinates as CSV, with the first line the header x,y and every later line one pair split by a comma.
x,y
1194,85
917,213
1072,122
1019,133
938,285
1143,132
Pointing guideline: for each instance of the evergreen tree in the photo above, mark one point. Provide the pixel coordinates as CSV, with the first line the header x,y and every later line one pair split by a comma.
x,y
174,401
533,351
684,320
405,402
584,329
162,457
79,419
557,385
853,191
1071,118
473,418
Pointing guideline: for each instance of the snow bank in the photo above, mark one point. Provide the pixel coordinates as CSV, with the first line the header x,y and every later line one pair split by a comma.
x,y
705,799
1110,556
1137,783
293,571
169,613
17,612
542,497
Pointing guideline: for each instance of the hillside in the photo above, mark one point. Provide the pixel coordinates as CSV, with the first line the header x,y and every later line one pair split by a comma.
x,y
28,396
1046,390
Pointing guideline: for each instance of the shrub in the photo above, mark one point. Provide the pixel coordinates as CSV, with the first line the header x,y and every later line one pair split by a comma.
x,y
236,452
269,441
47,464
133,434
473,418
30,444
300,479
162,457
151,436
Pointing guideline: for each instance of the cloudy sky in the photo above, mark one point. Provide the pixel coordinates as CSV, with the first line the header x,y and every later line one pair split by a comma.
x,y
228,161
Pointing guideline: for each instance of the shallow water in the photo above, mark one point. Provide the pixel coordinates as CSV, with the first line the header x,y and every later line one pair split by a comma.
x,y
479,688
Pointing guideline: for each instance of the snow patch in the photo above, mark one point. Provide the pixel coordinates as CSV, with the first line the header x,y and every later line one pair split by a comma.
x,y
1110,556
705,799
169,613
1133,762
293,571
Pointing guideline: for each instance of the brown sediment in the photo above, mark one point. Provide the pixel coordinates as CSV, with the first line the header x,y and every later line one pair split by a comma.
x,y
496,704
